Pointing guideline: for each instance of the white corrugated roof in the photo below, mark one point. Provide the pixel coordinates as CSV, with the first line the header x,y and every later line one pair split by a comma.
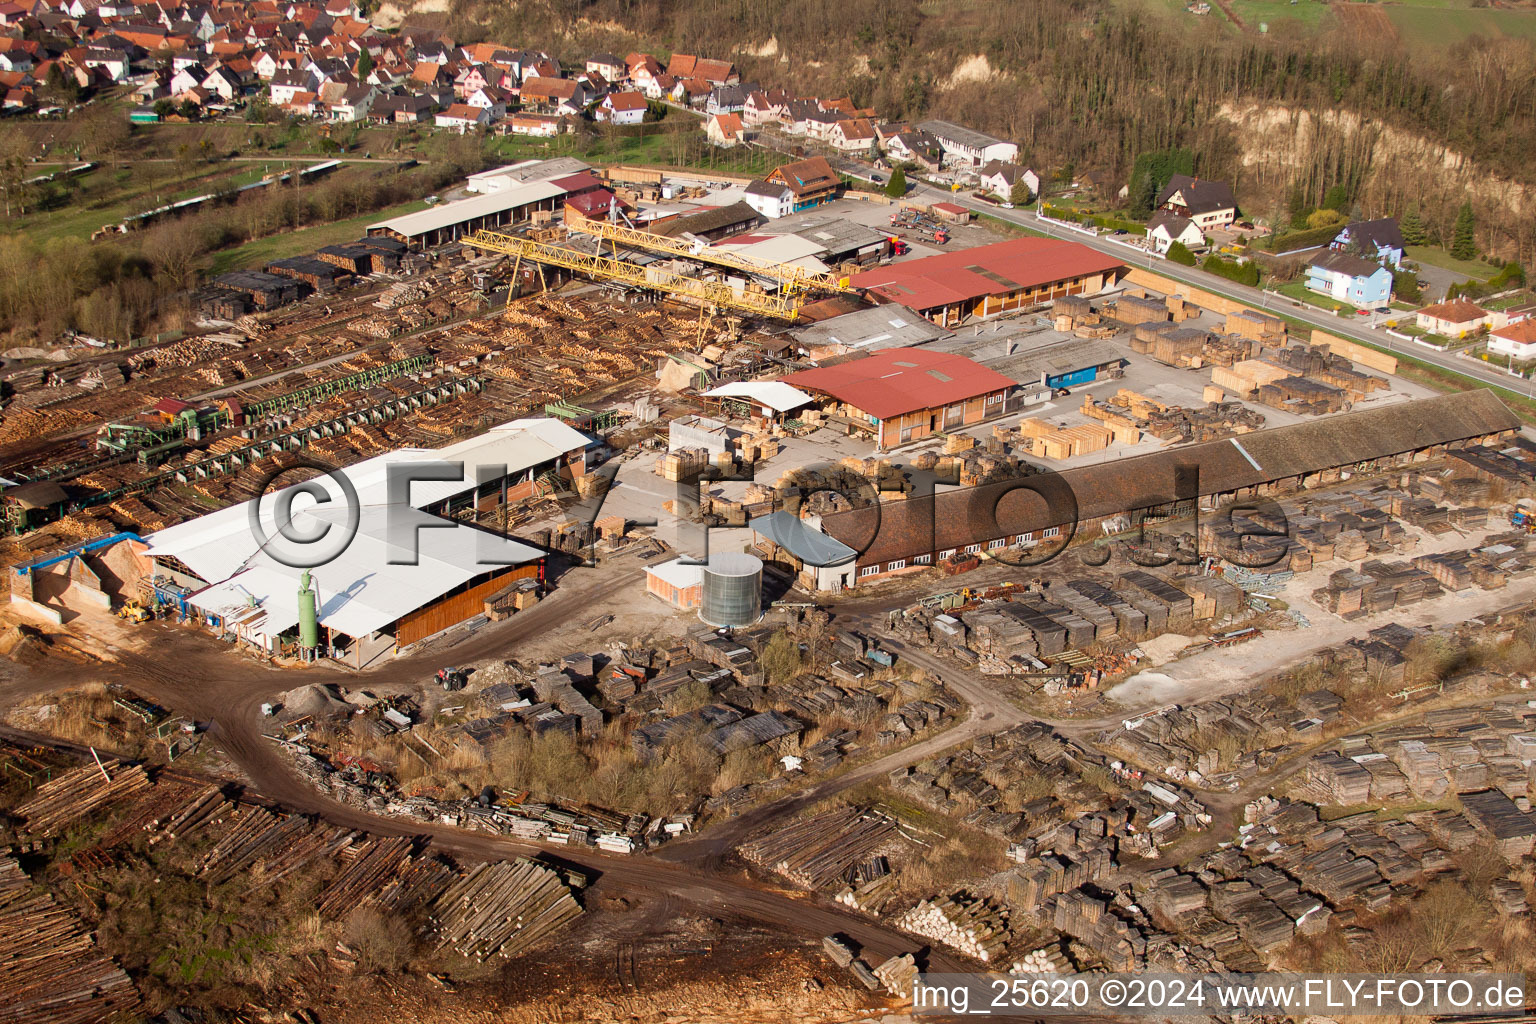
x,y
365,592
777,250
677,574
449,214
774,394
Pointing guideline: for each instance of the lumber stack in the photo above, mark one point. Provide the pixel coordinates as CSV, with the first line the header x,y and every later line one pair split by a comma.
x,y
56,804
972,925
502,909
50,969
820,851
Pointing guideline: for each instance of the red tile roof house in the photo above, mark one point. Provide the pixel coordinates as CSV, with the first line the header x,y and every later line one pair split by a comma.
x,y
954,286
905,394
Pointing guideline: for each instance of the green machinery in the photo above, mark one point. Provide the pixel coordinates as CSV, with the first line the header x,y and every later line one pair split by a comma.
x,y
307,396
309,621
581,416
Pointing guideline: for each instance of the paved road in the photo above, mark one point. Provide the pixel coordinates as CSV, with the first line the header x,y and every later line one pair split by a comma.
x,y
1257,297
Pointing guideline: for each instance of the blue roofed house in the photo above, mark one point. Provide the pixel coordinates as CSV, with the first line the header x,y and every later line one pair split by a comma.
x,y
1380,240
1350,279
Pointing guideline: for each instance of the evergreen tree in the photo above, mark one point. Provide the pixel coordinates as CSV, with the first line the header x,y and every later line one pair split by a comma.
x,y
1143,196
364,63
897,186
1296,207
1463,242
1336,198
1412,226
1020,194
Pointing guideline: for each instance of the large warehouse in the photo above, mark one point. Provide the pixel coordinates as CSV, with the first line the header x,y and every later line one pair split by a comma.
x,y
367,605
916,532
906,394
954,286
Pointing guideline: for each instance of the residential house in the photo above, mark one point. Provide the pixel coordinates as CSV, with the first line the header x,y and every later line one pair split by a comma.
x,y
1349,279
1166,228
286,84
691,92
818,124
853,135
186,79
554,95
999,177
770,199
1210,204
612,68
303,104
658,87
462,117
764,107
352,105
813,181
266,65
727,99
410,108
622,108
725,130
1516,340
223,83
539,126
1453,319
1380,240
915,147
715,72
966,147
492,100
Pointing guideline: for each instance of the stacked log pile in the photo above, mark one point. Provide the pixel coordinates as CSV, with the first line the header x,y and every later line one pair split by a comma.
x,y
502,909
56,804
819,851
970,924
50,969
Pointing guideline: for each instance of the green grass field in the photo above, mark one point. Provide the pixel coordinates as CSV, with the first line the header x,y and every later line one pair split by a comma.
x,y
261,251
1424,24
1311,15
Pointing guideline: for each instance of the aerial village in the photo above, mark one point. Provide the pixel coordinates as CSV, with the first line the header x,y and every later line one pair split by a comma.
x,y
959,596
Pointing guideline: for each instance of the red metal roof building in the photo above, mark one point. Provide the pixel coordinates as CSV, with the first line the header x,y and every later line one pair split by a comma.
x,y
906,394
1016,274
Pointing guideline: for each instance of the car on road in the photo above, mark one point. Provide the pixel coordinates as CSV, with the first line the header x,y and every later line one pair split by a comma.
x,y
1362,312
877,178
1383,309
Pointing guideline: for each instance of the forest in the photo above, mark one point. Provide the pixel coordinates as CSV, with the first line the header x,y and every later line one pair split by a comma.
x,y
1089,85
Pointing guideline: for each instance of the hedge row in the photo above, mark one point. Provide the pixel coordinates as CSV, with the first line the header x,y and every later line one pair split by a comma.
x,y
1306,239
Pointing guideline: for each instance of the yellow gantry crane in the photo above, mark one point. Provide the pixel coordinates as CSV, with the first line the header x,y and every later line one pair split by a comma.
x,y
794,283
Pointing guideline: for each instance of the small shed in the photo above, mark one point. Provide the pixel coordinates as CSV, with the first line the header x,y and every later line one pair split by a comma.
x,y
949,213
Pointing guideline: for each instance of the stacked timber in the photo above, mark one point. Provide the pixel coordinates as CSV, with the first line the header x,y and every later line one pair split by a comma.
x,y
820,851
373,865
970,924
502,909
55,804
51,972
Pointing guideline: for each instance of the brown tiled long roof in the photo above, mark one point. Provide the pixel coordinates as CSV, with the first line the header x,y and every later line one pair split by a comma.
x,y
957,517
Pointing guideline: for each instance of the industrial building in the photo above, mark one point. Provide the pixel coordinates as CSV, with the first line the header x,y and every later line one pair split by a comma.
x,y
1009,514
367,603
448,222
727,589
906,394
887,326
953,287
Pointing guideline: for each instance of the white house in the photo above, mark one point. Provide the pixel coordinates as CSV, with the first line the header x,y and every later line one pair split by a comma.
x,y
621,108
463,117
966,146
1166,228
725,130
1210,204
353,104
999,177
1517,340
853,135
770,199
1453,319
285,85
492,100
538,126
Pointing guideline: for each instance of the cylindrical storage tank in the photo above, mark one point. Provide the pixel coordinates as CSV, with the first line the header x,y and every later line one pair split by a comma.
x,y
733,590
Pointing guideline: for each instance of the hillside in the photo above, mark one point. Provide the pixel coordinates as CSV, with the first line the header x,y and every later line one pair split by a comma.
x,y
1082,85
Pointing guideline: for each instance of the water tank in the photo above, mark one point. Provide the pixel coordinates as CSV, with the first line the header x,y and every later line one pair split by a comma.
x,y
733,590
